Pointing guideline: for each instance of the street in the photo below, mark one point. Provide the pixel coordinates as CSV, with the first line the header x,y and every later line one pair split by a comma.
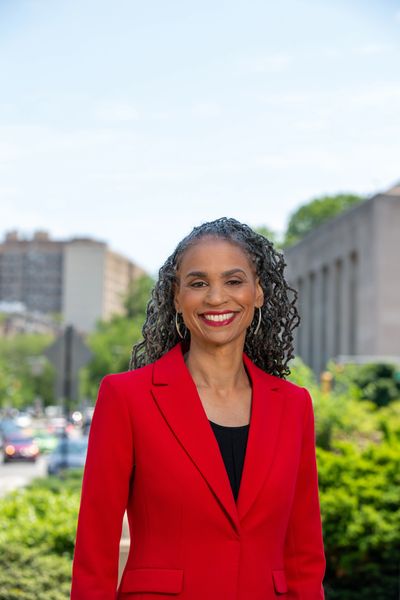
x,y
18,474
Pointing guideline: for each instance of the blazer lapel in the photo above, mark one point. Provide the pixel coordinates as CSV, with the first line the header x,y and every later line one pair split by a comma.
x,y
177,398
267,409
176,395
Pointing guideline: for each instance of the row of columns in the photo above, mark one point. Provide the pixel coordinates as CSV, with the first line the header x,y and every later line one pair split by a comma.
x,y
327,303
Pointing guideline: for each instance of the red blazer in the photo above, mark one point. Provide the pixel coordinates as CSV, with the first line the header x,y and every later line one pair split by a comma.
x,y
152,452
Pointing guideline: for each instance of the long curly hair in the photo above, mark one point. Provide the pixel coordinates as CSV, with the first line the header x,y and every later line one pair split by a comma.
x,y
271,348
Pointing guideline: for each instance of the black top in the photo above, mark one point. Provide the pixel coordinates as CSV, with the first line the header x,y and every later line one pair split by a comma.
x,y
232,442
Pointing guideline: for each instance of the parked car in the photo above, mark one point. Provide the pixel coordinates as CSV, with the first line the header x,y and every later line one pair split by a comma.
x,y
23,420
19,447
57,425
45,440
68,454
8,426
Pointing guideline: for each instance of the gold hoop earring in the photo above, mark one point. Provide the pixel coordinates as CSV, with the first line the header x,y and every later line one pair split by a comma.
x,y
177,326
259,321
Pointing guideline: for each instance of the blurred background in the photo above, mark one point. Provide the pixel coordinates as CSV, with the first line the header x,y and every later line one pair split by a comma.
x,y
122,126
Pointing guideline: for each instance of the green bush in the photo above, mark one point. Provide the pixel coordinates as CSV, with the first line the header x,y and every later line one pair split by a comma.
x,y
377,382
341,418
29,574
301,374
359,493
37,535
40,518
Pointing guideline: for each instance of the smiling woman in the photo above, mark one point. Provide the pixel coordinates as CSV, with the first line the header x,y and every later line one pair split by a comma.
x,y
213,451
272,349
217,292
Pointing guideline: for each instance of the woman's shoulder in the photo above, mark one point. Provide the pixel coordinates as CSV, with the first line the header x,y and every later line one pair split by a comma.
x,y
127,378
274,381
146,375
296,397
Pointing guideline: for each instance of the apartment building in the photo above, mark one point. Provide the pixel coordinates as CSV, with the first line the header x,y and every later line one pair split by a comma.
x,y
81,279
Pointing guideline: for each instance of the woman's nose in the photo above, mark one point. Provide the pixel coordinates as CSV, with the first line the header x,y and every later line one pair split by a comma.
x,y
215,294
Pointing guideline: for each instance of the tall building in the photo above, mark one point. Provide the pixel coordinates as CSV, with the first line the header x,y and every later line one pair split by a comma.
x,y
347,274
81,279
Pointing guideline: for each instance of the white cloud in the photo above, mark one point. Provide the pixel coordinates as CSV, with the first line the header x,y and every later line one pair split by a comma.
x,y
8,151
376,95
372,49
8,192
206,110
286,98
274,63
299,159
116,112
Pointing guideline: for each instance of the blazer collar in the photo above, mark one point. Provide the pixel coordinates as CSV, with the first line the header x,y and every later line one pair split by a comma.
x,y
177,398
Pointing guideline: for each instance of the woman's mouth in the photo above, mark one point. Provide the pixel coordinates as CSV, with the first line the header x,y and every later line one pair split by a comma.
x,y
218,319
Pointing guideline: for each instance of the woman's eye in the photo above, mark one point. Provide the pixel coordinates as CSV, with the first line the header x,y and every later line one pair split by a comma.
x,y
197,284
234,281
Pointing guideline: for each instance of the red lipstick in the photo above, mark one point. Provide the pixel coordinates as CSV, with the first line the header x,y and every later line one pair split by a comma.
x,y
218,319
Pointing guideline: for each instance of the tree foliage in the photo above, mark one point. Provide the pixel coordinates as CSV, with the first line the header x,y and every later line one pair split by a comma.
x,y
314,213
29,574
376,382
309,216
359,492
37,535
24,373
358,455
271,235
138,296
112,341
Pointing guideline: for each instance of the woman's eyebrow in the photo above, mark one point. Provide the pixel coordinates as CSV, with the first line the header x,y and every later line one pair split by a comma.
x,y
224,274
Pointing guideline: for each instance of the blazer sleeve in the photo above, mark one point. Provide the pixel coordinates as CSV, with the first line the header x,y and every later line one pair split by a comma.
x,y
304,555
105,491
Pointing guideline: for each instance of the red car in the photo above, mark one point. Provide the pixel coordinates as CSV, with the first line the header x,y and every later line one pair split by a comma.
x,y
19,447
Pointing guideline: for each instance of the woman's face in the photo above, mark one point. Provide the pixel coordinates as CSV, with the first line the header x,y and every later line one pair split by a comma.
x,y
217,292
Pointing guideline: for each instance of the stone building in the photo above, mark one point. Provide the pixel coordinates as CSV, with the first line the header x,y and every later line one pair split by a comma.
x,y
347,274
80,279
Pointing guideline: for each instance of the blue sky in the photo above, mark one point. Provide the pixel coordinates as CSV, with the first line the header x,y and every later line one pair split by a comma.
x,y
134,121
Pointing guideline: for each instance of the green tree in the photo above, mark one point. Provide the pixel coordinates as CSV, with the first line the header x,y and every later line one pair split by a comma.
x,y
138,296
314,213
271,235
112,341
24,373
111,344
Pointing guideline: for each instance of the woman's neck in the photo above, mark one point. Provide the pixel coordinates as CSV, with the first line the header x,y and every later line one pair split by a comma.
x,y
220,368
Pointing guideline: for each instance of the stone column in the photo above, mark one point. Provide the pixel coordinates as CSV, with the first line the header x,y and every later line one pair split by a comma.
x,y
324,317
305,314
345,308
317,314
330,311
300,302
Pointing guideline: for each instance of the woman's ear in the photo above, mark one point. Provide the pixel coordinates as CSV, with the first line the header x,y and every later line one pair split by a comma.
x,y
259,294
176,301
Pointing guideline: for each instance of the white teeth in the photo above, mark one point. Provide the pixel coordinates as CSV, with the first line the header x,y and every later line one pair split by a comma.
x,y
223,317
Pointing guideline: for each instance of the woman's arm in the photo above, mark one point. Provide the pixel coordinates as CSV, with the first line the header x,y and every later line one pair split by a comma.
x,y
105,491
304,550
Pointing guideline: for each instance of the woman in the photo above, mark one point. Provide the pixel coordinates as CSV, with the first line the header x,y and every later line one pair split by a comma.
x,y
205,444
